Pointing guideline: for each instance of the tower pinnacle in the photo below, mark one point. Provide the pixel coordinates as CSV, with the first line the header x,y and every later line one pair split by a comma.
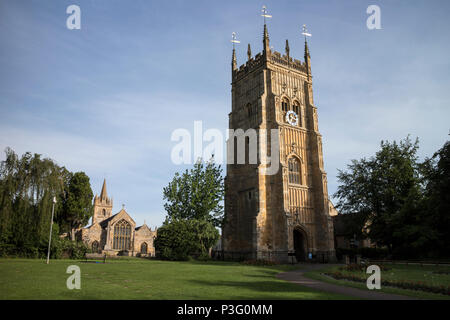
x,y
266,38
266,49
233,60
307,56
287,47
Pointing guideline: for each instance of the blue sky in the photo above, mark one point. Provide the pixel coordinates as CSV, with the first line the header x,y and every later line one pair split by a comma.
x,y
105,99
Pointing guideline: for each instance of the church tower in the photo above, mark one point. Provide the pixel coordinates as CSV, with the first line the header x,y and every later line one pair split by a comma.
x,y
102,206
286,214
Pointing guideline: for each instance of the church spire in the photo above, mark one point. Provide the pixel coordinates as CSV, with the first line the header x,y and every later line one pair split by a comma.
x,y
103,194
249,52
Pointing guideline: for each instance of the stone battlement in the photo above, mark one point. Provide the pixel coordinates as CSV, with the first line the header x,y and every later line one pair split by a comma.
x,y
275,58
285,61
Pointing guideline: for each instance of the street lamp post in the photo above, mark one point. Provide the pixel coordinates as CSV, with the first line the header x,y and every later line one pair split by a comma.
x,y
51,226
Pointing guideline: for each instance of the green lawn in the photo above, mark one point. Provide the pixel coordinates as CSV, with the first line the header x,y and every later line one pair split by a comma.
x,y
149,279
416,273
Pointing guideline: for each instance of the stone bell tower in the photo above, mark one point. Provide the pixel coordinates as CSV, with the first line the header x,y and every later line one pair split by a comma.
x,y
102,206
285,215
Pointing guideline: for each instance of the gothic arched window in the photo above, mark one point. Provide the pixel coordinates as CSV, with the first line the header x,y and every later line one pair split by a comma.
x,y
294,171
122,235
144,248
104,212
95,246
285,105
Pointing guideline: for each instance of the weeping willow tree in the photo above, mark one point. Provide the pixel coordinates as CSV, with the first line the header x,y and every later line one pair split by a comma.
x,y
27,186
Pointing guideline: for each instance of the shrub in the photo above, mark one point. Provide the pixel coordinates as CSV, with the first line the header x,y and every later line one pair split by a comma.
x,y
204,257
65,248
371,253
180,239
360,267
23,251
60,248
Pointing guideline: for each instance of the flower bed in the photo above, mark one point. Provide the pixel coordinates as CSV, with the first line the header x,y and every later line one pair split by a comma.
x,y
361,267
260,262
393,283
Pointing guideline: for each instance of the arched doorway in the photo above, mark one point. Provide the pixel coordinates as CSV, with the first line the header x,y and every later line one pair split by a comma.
x,y
144,248
299,245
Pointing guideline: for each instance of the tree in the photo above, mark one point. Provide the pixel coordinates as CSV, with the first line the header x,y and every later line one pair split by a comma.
x,y
194,210
436,204
78,208
179,239
196,194
27,186
386,189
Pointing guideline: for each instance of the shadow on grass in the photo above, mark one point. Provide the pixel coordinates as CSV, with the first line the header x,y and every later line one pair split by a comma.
x,y
267,289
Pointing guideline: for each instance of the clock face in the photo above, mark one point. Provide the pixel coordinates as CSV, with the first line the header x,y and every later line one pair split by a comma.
x,y
291,118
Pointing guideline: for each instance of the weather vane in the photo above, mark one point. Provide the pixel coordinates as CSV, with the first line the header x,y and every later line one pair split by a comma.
x,y
305,32
233,39
264,14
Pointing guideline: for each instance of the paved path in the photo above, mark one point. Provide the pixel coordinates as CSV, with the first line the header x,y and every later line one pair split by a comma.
x,y
298,278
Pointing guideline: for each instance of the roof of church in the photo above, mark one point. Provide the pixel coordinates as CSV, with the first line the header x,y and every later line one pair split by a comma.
x,y
144,225
105,222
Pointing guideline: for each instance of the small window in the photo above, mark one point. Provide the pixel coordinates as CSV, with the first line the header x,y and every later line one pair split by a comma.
x,y
285,105
249,195
104,212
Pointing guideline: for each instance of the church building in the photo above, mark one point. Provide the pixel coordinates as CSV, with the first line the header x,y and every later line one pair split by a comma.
x,y
116,234
284,216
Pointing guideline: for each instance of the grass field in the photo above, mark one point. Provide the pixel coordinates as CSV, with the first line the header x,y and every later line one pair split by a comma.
x,y
428,274
149,279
